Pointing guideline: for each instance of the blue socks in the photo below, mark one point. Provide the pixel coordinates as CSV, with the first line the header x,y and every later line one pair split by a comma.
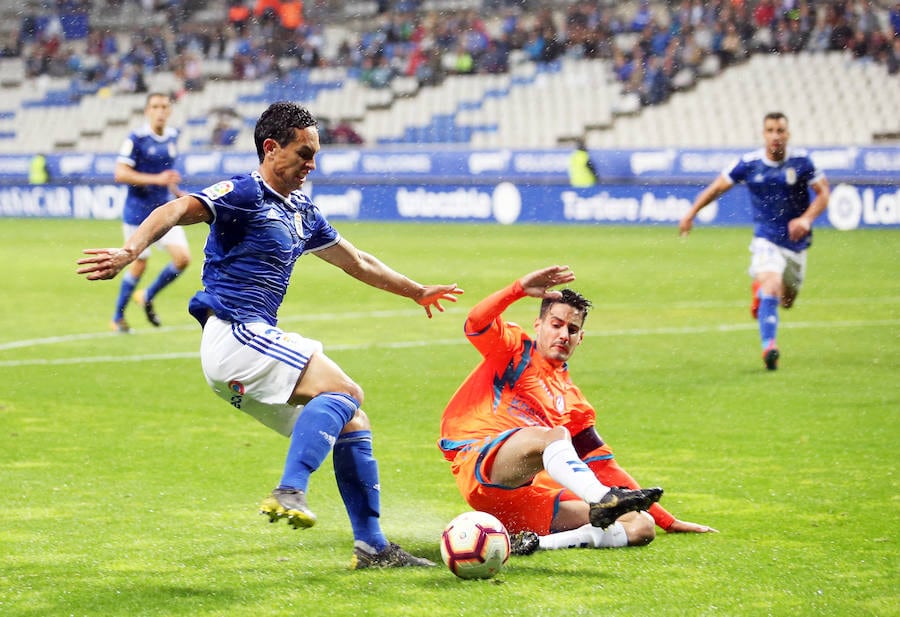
x,y
768,319
356,471
125,291
315,432
168,274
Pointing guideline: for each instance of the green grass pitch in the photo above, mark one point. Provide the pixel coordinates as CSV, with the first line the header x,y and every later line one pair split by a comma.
x,y
128,488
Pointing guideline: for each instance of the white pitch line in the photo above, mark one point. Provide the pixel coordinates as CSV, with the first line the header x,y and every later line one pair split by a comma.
x,y
802,325
314,317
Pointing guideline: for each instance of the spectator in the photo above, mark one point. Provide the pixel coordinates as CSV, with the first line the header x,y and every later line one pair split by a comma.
x,y
344,133
238,15
893,58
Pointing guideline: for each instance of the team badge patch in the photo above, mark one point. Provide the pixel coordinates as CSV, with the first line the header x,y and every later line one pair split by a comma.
x,y
236,387
219,189
790,175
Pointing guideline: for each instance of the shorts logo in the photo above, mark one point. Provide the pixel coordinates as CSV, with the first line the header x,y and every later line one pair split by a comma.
x,y
237,393
219,189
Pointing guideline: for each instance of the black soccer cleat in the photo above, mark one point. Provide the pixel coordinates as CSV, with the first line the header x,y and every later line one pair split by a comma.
x,y
391,556
140,297
619,501
524,543
770,357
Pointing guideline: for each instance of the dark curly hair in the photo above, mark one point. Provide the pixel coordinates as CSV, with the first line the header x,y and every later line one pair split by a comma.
x,y
570,297
278,122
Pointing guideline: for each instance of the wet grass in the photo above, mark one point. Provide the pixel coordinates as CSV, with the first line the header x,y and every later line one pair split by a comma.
x,y
129,489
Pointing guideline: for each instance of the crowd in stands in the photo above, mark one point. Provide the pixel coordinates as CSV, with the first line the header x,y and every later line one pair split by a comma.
x,y
654,51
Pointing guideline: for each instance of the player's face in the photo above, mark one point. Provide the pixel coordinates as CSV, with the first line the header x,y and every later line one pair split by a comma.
x,y
158,110
285,167
776,135
559,332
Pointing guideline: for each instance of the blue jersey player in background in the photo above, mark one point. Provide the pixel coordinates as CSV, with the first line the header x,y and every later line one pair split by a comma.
x,y
146,164
779,180
260,224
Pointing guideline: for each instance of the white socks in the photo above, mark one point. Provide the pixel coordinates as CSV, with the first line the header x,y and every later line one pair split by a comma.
x,y
587,536
563,464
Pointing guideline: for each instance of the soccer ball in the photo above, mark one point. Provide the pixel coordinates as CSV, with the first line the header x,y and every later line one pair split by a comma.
x,y
475,545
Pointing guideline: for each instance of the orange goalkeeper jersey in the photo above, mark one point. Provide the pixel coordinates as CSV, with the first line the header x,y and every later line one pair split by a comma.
x,y
512,387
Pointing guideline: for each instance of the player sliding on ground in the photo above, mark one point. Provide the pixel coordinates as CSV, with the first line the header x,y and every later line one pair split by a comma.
x,y
520,435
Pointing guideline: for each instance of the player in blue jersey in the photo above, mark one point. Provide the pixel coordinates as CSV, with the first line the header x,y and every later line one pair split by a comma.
x,y
779,180
260,224
146,164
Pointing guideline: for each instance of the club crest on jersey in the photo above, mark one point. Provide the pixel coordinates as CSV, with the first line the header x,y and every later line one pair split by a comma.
x,y
790,175
219,189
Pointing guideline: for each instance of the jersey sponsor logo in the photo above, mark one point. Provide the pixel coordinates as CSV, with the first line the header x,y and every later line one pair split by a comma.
x,y
219,190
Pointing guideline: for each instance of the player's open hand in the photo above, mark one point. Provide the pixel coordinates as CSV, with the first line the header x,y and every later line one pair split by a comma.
x,y
432,295
685,225
537,284
103,263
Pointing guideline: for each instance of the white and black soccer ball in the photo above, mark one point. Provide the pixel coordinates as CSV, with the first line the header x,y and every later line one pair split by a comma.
x,y
475,545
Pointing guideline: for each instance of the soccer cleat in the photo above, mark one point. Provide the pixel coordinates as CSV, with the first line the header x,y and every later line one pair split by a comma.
x,y
754,302
524,543
290,504
140,296
770,356
120,325
391,556
619,501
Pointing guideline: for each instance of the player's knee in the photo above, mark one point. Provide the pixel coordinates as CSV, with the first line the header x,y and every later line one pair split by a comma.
x,y
359,422
557,433
640,529
353,389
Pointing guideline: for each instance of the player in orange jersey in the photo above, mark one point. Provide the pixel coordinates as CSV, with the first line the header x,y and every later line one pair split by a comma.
x,y
521,438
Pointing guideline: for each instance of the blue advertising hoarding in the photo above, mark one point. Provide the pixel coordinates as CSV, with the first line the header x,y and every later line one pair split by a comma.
x,y
651,186
852,205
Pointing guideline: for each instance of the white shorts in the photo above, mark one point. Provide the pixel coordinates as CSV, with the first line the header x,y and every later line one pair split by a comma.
x,y
769,257
255,367
173,237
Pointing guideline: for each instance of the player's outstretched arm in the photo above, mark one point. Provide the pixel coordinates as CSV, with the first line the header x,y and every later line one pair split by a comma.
x,y
712,192
685,527
106,263
372,271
